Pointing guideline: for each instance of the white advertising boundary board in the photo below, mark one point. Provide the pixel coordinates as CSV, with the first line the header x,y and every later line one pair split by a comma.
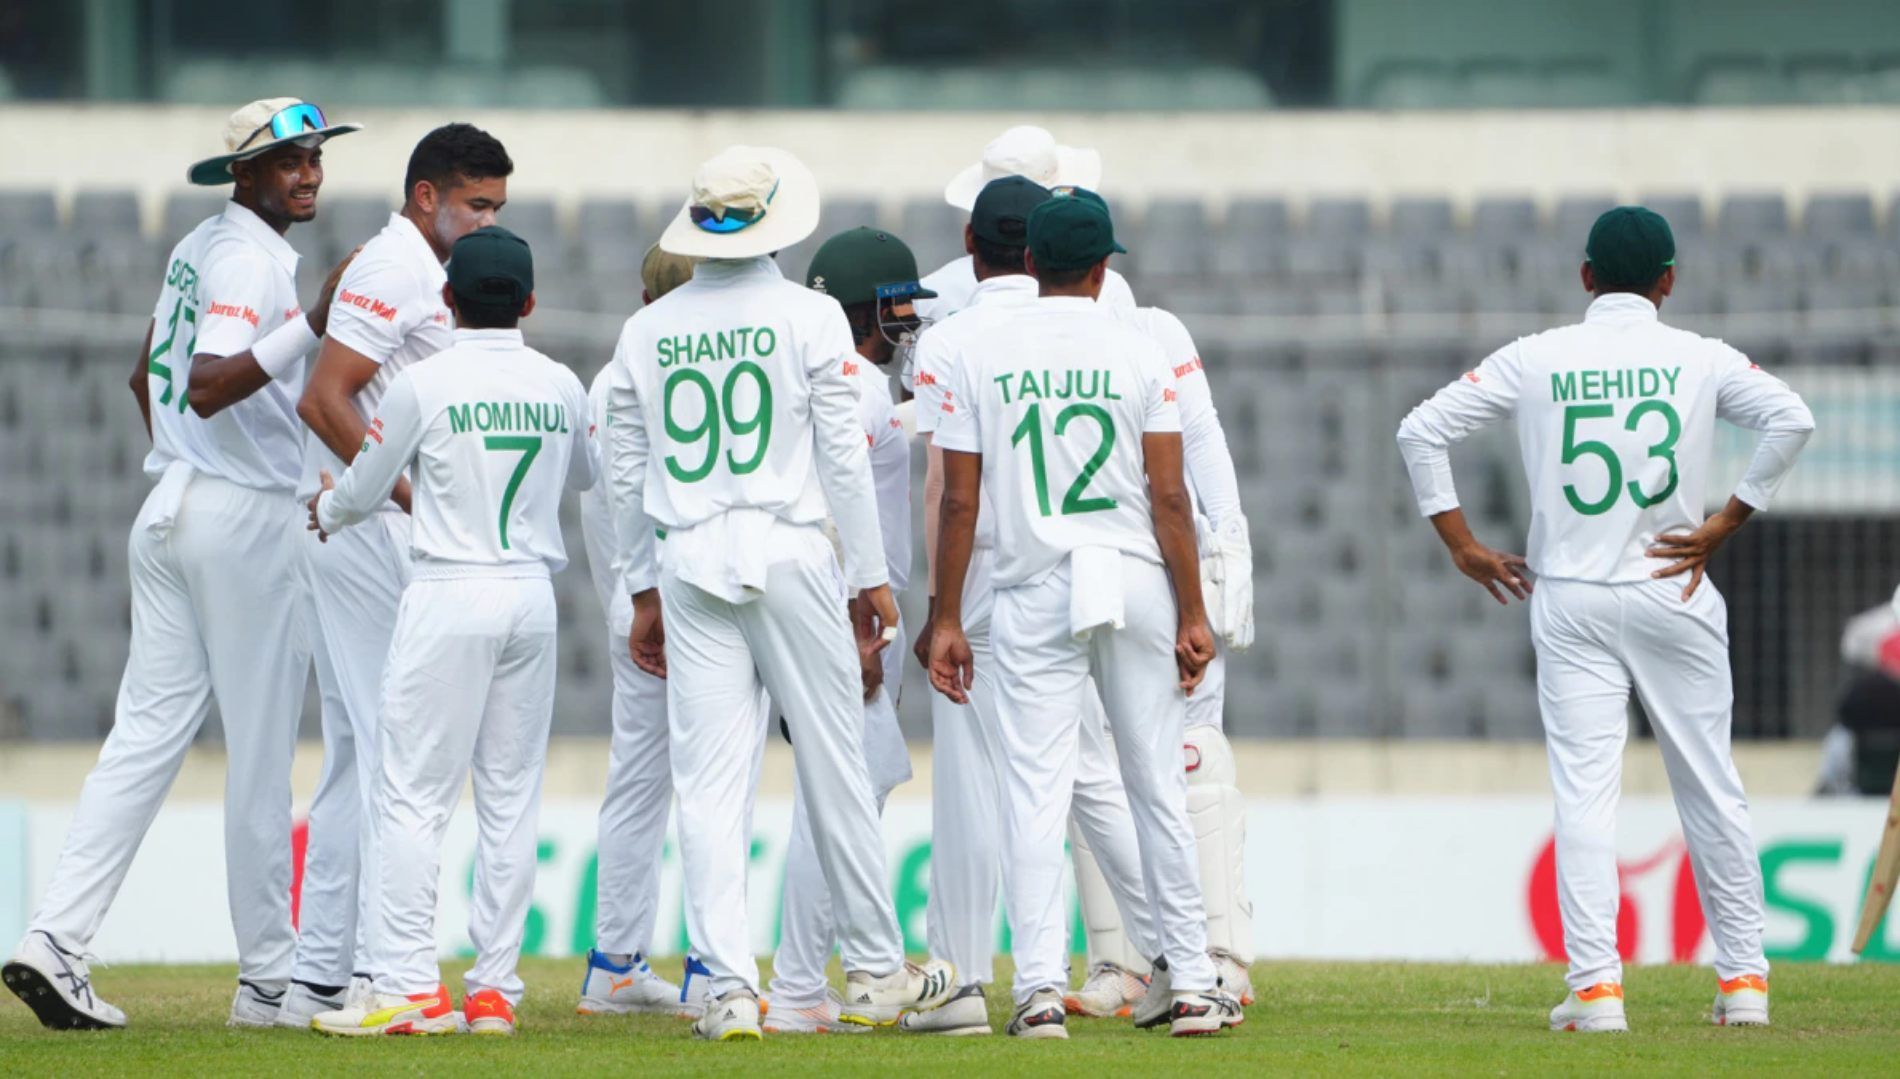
x,y
1454,879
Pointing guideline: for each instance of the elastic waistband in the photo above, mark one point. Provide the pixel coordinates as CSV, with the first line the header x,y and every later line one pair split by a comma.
x,y
436,570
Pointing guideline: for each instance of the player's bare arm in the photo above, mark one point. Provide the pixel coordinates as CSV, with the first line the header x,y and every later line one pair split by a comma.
x,y
950,663
141,389
1492,569
1692,550
1174,530
218,382
327,409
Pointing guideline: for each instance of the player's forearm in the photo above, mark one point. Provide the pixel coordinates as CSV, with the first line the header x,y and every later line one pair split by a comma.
x,y
218,382
141,380
1453,530
956,540
933,494
1174,530
332,417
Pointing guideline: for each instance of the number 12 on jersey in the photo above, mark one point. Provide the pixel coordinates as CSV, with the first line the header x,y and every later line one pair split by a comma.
x,y
1030,431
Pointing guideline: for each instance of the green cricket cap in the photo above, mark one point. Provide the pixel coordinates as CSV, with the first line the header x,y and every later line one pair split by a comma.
x,y
491,268
1002,209
862,265
1630,247
1072,230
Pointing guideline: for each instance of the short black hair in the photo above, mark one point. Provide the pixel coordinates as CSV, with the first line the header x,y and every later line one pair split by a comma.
x,y
1005,257
453,153
487,316
1062,278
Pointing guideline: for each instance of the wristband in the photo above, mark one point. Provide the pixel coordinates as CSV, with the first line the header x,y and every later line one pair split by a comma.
x,y
277,350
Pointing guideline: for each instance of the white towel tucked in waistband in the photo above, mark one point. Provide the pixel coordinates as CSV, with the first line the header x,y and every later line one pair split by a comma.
x,y
1095,590
726,555
161,507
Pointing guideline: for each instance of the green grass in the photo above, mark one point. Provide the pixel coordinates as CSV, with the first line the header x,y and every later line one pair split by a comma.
x,y
1337,1018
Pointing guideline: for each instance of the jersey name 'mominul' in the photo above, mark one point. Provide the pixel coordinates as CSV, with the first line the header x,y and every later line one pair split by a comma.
x,y
734,344
549,416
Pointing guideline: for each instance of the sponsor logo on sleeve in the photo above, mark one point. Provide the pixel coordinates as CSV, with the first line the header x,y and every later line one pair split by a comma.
x,y
925,378
375,431
1188,368
850,368
374,306
231,310
1168,395
1471,376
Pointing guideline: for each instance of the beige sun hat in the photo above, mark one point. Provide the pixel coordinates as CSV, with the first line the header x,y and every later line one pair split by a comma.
x,y
259,127
746,201
1025,151
662,271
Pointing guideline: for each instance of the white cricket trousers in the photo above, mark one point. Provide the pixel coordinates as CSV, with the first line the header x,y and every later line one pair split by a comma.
x,y
217,611
633,813
469,693
806,927
1594,642
1042,682
356,580
795,640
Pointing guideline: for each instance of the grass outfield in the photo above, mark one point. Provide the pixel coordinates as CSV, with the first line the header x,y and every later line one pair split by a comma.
x,y
1340,1018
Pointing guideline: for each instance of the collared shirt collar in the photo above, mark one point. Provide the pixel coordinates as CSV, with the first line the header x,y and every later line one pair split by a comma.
x,y
412,235
1620,307
242,218
1009,284
1068,301
722,270
488,338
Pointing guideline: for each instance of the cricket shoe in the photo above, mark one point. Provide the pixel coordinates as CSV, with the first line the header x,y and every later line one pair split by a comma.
x,y
253,1007
1110,989
1153,1008
616,989
1235,979
1193,1014
965,1013
488,1012
875,1000
1741,1002
1595,1010
57,984
1041,1016
696,988
819,1018
730,1018
392,1014
304,1002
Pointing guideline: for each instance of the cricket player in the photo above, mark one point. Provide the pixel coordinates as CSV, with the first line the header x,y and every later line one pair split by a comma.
x,y
1032,153
217,604
735,429
967,835
493,431
391,315
873,276
1069,417
639,779
1615,417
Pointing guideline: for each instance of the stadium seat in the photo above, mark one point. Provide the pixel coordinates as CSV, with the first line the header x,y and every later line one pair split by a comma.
x,y
105,213
348,220
1839,216
1338,218
611,234
24,212
1173,241
1752,216
1430,218
1570,222
1683,212
536,221
1504,217
184,210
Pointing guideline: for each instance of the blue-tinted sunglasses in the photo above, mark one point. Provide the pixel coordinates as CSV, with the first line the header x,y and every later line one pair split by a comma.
x,y
731,220
290,122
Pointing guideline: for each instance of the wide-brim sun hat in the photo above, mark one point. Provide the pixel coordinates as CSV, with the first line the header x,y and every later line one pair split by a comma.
x,y
746,201
260,127
1025,151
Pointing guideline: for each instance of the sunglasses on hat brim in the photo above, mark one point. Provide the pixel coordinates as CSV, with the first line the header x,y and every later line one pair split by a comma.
x,y
730,219
289,122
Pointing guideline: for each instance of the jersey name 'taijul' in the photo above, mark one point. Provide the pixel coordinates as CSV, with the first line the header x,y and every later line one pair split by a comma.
x,y
1057,400
1615,418
229,282
495,431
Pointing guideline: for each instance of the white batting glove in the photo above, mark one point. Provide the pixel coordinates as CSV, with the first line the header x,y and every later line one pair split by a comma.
x,y
1227,582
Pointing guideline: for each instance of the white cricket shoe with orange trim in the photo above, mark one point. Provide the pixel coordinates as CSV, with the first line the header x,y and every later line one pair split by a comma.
x,y
1110,989
1741,1002
1595,1010
387,1014
819,1018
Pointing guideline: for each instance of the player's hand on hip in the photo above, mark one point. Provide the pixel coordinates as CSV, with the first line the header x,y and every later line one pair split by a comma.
x,y
1193,651
647,641
1494,570
1691,551
883,610
952,669
323,477
319,315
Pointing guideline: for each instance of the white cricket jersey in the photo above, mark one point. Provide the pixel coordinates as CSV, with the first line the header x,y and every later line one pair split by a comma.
x,y
389,308
734,397
1057,400
1616,419
955,281
995,300
229,282
494,432
890,464
1208,463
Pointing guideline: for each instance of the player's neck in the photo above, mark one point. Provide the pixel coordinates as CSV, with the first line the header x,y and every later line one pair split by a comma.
x,y
1080,290
421,221
278,224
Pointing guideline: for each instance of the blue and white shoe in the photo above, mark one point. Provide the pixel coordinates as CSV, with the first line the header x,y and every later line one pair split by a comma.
x,y
695,988
610,988
56,983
